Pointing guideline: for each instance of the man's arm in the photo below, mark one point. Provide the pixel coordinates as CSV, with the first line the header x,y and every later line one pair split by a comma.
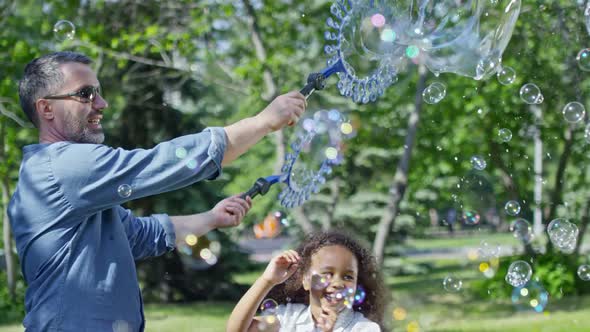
x,y
227,213
283,110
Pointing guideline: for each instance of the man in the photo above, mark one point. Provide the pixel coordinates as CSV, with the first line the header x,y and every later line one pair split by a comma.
x,y
76,244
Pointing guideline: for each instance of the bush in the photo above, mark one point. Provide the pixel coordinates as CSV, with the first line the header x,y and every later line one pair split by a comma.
x,y
556,272
11,311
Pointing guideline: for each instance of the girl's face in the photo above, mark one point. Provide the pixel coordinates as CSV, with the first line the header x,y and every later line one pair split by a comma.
x,y
337,265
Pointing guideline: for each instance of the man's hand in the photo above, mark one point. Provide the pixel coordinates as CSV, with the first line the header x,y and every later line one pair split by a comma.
x,y
230,211
283,110
327,319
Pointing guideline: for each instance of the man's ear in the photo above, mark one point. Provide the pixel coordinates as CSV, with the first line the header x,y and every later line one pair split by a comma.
x,y
44,109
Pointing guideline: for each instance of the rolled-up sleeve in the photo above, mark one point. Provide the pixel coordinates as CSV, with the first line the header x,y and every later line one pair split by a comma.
x,y
148,236
94,177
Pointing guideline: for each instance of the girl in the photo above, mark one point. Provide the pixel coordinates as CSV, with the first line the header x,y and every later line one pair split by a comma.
x,y
317,285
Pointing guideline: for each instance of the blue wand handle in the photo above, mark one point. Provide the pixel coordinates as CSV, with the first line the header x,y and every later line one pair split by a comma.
x,y
261,186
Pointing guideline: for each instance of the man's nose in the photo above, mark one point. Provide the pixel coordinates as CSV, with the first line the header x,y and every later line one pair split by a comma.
x,y
99,103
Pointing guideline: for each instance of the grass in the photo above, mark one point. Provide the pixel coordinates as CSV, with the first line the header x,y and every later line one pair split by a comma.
x,y
426,305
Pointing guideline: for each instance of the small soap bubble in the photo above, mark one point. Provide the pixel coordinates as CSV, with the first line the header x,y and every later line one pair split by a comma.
x,y
360,295
505,135
563,234
63,30
506,75
434,93
471,217
452,284
488,250
269,307
574,112
181,153
521,229
319,282
519,273
512,208
584,272
583,59
412,51
587,133
478,163
378,20
124,190
531,94
531,296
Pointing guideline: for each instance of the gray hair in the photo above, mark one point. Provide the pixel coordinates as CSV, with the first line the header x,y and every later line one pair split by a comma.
x,y
42,77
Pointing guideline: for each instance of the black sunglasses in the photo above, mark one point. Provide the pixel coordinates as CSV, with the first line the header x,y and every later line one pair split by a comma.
x,y
86,94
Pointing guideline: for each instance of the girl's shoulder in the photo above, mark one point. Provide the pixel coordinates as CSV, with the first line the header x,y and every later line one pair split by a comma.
x,y
359,323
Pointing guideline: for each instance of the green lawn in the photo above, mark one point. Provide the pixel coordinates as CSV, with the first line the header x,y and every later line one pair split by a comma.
x,y
421,296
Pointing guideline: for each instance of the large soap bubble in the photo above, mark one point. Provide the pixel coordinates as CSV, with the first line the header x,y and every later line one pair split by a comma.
x,y
376,39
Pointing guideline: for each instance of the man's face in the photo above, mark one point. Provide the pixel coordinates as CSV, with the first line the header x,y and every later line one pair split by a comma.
x,y
75,120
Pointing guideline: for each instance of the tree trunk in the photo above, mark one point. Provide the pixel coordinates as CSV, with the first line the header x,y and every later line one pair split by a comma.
x,y
400,180
7,238
583,226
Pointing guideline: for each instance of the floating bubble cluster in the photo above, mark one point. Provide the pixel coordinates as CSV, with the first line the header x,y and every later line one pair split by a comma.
x,y
316,147
360,295
563,234
519,273
200,253
574,112
521,229
531,94
434,93
584,272
64,30
452,284
471,217
512,208
506,75
531,296
375,40
124,190
505,135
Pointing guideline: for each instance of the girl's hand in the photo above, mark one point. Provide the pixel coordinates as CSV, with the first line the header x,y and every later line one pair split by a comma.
x,y
327,319
281,267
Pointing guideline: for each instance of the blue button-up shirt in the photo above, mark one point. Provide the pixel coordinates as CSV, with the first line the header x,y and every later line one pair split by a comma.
x,y
77,245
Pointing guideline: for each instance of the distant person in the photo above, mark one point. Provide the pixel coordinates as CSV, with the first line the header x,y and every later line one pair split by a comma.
x,y
305,304
76,244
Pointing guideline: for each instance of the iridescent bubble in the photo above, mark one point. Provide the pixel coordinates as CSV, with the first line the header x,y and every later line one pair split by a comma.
x,y
584,272
200,253
574,112
521,229
506,75
531,94
378,20
452,284
319,282
478,163
512,208
434,93
563,234
587,133
124,190
63,30
331,153
488,250
360,295
505,135
487,66
346,128
471,217
583,59
412,51
180,153
269,307
388,35
519,273
531,296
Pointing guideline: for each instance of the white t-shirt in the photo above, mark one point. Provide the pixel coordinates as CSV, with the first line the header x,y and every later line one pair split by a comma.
x,y
296,317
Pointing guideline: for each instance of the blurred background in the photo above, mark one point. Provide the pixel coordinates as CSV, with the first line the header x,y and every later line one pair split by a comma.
x,y
447,194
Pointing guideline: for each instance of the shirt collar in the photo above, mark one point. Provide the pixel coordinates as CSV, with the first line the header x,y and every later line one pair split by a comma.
x,y
343,320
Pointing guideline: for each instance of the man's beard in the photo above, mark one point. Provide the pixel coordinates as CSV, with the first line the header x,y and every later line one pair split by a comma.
x,y
79,132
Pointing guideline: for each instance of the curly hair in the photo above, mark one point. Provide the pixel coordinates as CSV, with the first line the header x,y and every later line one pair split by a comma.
x,y
369,277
